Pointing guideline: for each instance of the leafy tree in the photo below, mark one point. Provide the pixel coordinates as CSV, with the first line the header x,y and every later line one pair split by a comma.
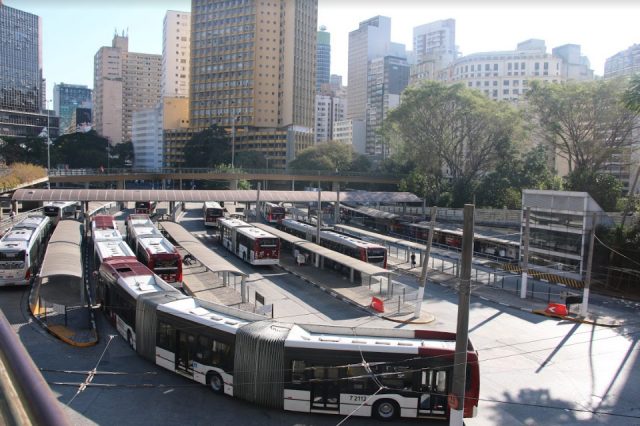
x,y
208,148
121,155
332,156
455,127
631,96
430,186
251,160
603,187
585,123
24,150
80,150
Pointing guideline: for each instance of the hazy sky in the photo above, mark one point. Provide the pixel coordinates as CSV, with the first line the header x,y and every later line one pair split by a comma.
x,y
74,30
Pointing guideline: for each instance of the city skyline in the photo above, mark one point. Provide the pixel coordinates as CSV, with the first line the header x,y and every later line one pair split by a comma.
x,y
598,29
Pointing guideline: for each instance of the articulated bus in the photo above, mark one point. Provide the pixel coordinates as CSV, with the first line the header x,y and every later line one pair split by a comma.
x,y
58,210
273,213
345,244
382,373
22,249
249,243
153,249
211,212
145,207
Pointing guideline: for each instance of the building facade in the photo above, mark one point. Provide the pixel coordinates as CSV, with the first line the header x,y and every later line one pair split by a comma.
x,y
388,77
124,82
323,58
147,137
176,45
330,108
350,132
253,68
66,98
624,63
22,96
434,49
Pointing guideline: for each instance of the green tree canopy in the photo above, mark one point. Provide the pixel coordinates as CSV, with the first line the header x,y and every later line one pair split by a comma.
x,y
31,150
332,156
208,148
80,150
585,123
603,187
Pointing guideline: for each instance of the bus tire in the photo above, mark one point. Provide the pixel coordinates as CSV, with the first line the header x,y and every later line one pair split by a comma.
x,y
386,409
215,382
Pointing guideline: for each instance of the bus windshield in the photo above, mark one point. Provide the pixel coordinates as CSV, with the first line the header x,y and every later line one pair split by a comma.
x,y
12,256
214,212
51,210
143,204
376,254
268,242
165,263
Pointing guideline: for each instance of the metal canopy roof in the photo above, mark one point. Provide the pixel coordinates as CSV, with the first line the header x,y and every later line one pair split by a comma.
x,y
384,238
340,258
61,275
30,194
204,255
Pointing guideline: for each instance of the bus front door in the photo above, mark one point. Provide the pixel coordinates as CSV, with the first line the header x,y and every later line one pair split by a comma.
x,y
184,352
433,389
325,389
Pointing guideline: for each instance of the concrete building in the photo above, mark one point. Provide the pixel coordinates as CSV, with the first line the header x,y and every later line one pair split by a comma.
x,y
66,99
176,45
351,132
124,82
624,63
388,77
506,75
146,135
255,72
81,120
22,91
371,40
575,67
323,58
434,49
330,108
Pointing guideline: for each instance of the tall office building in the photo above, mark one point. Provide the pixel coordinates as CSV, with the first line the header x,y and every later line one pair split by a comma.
x,y
388,77
176,43
330,108
124,82
624,63
253,71
66,98
22,105
323,58
434,49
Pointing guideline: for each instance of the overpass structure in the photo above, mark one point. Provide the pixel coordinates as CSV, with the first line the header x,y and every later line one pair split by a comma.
x,y
161,174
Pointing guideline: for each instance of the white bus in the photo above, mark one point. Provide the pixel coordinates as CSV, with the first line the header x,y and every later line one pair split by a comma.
x,y
249,243
59,210
22,248
211,212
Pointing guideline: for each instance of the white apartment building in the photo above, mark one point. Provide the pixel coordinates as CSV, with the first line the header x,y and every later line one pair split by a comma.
x,y
329,109
176,45
624,63
147,137
351,132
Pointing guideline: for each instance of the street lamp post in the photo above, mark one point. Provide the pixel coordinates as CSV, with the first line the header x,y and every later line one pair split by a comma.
x,y
48,146
233,141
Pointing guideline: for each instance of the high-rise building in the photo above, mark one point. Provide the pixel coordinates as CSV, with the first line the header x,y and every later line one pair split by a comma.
x,y
124,82
624,63
434,49
575,67
22,96
176,44
329,109
323,58
66,98
388,77
253,71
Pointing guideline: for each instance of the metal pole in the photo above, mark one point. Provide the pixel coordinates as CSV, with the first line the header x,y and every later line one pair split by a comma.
x,y
48,154
233,142
425,263
587,281
525,261
462,334
336,212
318,219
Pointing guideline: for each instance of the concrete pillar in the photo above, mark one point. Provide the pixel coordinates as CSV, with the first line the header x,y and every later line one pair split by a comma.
x,y
120,184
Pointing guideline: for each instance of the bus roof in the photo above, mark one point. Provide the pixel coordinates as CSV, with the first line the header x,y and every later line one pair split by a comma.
x,y
103,234
205,313
301,338
103,221
233,223
212,205
157,245
31,222
254,232
136,278
107,249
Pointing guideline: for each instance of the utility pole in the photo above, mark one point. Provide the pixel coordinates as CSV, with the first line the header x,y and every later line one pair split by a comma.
x,y
425,263
525,261
456,398
318,216
587,280
336,210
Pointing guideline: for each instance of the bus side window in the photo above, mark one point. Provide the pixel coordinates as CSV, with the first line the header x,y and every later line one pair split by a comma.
x,y
297,372
358,377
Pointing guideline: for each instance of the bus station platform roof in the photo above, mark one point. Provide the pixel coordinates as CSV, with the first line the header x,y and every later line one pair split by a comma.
x,y
250,195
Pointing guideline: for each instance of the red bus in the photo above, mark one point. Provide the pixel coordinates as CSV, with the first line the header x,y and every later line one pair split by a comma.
x,y
153,249
251,244
102,221
145,207
211,212
273,213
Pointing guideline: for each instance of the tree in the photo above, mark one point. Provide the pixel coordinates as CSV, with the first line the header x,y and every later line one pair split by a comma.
x,y
80,150
208,148
631,96
603,187
331,156
585,123
122,154
24,150
455,127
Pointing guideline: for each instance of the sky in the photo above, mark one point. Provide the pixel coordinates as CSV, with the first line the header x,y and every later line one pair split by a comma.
x,y
74,30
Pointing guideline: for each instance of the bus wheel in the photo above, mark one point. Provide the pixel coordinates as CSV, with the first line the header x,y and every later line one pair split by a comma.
x,y
215,382
386,409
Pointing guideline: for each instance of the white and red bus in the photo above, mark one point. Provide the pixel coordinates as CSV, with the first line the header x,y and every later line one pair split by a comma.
x,y
249,243
273,213
145,207
211,212
22,249
103,221
359,249
382,373
153,249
